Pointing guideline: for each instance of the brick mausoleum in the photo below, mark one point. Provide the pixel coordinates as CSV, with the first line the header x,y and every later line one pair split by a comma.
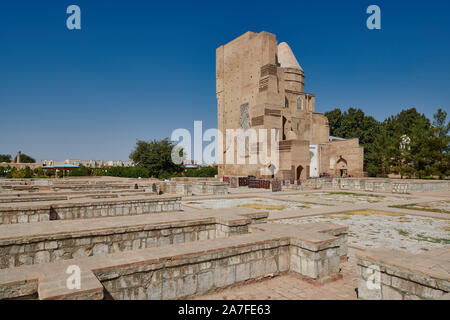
x,y
260,84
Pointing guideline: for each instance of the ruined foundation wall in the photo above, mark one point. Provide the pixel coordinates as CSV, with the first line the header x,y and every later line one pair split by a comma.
x,y
377,184
403,276
183,270
62,240
70,210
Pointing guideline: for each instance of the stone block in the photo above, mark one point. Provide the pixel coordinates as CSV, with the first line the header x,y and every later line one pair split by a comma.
x,y
389,293
366,293
42,257
257,268
204,282
100,248
169,289
242,272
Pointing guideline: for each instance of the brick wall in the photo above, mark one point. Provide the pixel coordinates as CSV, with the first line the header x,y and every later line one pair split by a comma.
x,y
183,270
83,209
62,240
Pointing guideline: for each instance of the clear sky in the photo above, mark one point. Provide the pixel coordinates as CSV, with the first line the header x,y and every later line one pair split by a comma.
x,y
140,69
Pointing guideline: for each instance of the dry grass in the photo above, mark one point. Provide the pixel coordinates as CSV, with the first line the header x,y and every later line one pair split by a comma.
x,y
259,206
355,194
425,206
369,212
341,217
316,203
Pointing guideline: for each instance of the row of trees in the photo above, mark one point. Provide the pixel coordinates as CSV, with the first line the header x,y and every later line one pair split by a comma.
x,y
152,159
27,172
125,172
156,157
23,158
408,143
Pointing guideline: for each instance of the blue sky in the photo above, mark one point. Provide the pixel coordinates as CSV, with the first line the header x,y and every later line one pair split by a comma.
x,y
138,69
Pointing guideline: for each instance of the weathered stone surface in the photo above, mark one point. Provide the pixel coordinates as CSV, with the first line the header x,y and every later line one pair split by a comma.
x,y
404,275
177,271
12,213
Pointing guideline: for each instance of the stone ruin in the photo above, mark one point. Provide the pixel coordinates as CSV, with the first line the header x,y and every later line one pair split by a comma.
x,y
147,248
133,243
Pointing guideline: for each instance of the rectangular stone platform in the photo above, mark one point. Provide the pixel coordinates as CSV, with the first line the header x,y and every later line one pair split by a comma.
x,y
25,244
86,208
187,269
189,188
403,276
378,184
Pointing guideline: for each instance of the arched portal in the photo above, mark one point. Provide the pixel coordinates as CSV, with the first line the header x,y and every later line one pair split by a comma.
x,y
299,172
341,166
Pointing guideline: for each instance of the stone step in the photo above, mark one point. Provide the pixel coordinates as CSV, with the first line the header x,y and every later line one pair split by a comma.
x,y
86,208
41,242
183,270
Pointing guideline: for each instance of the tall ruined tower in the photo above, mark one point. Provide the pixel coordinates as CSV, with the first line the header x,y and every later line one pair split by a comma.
x,y
260,84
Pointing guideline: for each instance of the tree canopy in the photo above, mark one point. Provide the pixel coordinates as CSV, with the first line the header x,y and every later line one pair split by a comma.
x,y
24,158
406,143
156,157
5,158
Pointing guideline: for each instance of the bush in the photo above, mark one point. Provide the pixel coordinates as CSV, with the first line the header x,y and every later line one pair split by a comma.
x,y
80,172
19,174
125,172
202,172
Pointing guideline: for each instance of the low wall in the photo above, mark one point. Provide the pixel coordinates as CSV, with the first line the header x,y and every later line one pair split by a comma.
x,y
83,209
78,184
188,188
396,275
181,271
184,189
62,240
378,185
57,196
215,188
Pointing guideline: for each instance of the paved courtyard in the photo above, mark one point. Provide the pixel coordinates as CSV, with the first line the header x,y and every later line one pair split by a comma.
x,y
412,223
293,287
138,226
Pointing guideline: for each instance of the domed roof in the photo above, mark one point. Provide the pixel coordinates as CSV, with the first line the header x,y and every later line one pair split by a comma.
x,y
286,57
291,135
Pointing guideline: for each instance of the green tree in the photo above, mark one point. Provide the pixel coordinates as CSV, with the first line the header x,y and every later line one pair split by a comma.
x,y
25,159
334,120
156,157
405,143
5,158
80,172
21,173
440,144
203,172
353,123
379,153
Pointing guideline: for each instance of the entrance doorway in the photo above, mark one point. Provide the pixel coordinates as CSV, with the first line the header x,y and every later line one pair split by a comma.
x,y
283,137
299,172
342,166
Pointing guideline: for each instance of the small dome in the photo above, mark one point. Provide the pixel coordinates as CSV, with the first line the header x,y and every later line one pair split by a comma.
x,y
286,57
291,136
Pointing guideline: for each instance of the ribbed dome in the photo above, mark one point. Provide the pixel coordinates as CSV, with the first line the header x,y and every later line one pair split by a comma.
x,y
286,57
291,135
